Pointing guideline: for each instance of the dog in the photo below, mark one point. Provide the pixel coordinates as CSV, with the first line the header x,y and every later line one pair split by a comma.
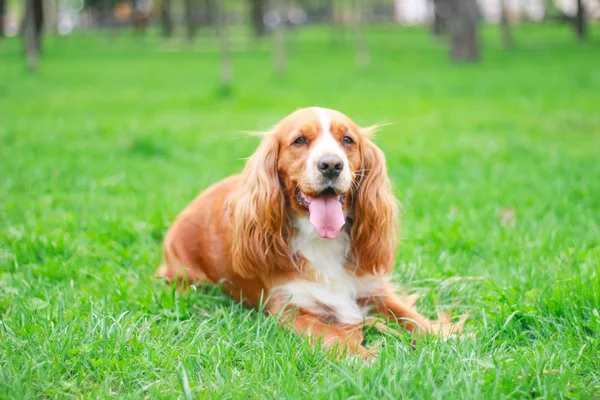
x,y
307,232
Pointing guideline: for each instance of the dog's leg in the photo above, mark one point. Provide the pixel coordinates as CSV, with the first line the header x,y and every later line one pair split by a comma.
x,y
179,273
337,338
395,308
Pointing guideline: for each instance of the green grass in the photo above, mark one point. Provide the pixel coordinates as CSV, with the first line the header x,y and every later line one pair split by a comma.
x,y
114,136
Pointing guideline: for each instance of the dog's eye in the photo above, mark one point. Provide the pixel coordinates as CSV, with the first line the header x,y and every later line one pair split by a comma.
x,y
347,140
301,140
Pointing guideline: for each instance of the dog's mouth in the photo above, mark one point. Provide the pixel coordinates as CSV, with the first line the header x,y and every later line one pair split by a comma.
x,y
325,211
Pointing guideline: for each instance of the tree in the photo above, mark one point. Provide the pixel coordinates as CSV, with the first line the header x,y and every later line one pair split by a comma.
x,y
190,19
507,37
32,32
139,18
463,16
2,16
440,17
209,12
580,21
362,48
336,20
166,20
257,14
224,47
279,50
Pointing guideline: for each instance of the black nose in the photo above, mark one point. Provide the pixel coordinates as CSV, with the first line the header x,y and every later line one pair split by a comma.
x,y
330,166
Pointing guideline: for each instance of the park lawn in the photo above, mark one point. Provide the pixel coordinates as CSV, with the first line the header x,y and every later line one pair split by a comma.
x,y
497,166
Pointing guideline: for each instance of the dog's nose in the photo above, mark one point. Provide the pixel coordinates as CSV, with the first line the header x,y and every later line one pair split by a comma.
x,y
330,166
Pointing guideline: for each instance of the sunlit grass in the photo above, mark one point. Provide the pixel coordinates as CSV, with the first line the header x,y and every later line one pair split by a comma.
x,y
496,164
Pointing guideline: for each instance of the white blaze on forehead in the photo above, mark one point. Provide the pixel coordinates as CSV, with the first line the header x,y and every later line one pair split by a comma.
x,y
326,145
324,116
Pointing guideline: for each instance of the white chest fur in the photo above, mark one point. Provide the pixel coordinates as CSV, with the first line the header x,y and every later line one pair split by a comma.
x,y
336,289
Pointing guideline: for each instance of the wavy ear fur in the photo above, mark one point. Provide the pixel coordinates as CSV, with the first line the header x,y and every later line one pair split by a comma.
x,y
258,215
375,228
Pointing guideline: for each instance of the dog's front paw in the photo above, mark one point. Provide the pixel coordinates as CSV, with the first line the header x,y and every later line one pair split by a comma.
x,y
445,328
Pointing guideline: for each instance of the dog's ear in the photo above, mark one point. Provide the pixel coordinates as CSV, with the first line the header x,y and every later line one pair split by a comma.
x,y
258,214
375,228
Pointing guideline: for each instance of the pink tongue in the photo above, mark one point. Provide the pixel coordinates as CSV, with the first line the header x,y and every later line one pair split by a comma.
x,y
326,215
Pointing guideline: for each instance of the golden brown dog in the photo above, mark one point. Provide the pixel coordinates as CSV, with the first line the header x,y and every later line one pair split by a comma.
x,y
310,228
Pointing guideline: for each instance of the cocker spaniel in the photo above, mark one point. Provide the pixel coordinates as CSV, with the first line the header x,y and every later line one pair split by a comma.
x,y
309,229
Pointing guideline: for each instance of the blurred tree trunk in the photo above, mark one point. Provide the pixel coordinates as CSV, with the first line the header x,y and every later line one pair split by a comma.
x,y
209,10
279,42
224,47
2,16
580,21
166,20
50,16
190,20
463,16
32,32
139,19
336,20
440,17
362,47
257,11
507,37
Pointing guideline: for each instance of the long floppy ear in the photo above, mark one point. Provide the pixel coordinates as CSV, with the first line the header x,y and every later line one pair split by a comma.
x,y
375,228
258,216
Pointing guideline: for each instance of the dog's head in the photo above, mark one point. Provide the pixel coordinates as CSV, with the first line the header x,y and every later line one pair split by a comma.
x,y
317,164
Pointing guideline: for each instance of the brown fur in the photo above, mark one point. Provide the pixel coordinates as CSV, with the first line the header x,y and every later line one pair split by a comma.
x,y
237,231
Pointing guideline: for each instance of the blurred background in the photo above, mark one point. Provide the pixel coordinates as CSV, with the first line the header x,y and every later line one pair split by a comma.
x,y
458,21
